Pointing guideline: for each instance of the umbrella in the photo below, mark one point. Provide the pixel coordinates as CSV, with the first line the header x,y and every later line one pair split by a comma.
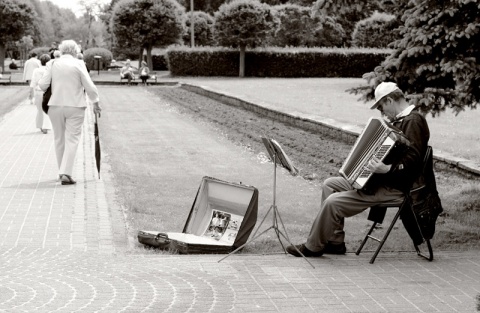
x,y
98,152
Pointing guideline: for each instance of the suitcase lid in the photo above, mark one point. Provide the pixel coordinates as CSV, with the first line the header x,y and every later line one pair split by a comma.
x,y
223,211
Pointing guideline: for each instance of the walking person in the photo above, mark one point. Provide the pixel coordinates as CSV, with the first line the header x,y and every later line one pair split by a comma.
x,y
69,78
30,65
42,120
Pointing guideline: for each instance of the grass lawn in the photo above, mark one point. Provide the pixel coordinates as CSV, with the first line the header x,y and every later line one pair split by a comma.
x,y
160,146
325,98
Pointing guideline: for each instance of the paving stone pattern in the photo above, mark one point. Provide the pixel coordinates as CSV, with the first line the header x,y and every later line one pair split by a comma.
x,y
62,250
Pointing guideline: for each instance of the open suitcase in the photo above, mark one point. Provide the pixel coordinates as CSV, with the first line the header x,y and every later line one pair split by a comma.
x,y
221,219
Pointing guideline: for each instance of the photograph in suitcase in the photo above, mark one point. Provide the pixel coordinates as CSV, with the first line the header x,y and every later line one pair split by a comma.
x,y
221,219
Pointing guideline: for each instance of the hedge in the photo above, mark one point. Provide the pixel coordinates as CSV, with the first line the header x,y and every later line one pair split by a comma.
x,y
274,62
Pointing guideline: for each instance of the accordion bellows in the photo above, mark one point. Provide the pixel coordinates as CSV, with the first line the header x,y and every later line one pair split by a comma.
x,y
377,139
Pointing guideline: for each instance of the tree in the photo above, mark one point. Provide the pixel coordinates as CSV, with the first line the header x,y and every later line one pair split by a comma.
x,y
203,28
436,60
244,23
377,31
16,21
148,23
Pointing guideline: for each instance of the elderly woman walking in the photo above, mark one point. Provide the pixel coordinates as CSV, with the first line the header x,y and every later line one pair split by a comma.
x,y
69,79
42,120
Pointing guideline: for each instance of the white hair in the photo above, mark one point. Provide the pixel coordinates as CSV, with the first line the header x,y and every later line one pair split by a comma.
x,y
56,54
69,47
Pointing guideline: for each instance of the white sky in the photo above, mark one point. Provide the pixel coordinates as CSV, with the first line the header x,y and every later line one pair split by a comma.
x,y
74,4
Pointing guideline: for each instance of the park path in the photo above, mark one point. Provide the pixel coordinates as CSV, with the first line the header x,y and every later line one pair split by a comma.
x,y
65,249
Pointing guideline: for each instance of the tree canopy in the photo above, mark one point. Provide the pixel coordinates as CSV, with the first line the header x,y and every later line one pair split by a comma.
x,y
16,21
148,23
436,60
244,23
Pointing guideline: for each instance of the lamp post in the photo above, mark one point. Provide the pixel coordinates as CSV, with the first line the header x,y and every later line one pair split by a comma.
x,y
98,57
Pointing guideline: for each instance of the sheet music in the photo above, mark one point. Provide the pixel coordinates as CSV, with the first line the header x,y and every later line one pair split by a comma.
x,y
274,149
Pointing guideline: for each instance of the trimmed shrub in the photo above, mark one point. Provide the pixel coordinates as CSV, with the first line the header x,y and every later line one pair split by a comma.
x,y
375,31
203,29
40,50
274,62
160,62
91,62
298,28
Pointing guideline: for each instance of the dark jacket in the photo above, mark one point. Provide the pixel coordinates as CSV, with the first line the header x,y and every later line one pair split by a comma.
x,y
408,167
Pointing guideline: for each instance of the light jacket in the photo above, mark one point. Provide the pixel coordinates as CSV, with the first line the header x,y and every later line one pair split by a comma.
x,y
69,78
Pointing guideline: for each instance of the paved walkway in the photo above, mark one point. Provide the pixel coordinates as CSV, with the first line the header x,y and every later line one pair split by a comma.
x,y
64,249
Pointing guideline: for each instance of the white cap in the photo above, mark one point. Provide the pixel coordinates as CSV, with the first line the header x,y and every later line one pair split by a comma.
x,y
382,90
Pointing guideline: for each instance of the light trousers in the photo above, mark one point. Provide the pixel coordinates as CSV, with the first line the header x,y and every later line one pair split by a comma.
x,y
41,121
340,200
67,125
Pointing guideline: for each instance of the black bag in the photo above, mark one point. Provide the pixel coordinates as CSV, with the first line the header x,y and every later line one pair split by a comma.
x,y
46,97
426,211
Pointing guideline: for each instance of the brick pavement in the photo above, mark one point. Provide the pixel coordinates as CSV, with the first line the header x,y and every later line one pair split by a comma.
x,y
64,249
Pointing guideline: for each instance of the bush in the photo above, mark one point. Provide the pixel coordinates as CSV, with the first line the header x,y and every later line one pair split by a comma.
x,y
374,32
160,62
274,62
91,62
203,29
40,50
314,31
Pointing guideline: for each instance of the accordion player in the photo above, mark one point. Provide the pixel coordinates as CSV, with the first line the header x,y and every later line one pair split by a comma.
x,y
378,139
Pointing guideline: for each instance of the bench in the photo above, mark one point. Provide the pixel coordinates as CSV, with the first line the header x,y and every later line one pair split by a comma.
x,y
6,78
152,77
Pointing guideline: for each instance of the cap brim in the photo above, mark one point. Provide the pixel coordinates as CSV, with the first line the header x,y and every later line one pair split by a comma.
x,y
375,105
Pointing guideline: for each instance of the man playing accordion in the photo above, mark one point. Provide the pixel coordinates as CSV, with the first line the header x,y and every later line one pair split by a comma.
x,y
341,200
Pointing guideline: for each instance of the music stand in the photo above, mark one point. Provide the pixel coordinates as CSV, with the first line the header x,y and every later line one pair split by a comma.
x,y
278,156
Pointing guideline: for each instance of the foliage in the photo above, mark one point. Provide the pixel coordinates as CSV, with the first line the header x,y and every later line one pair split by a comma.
x,y
244,23
91,62
377,31
40,50
299,28
346,12
273,62
203,29
436,60
147,23
16,21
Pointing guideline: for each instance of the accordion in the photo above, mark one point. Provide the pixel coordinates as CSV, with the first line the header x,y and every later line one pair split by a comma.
x,y
378,139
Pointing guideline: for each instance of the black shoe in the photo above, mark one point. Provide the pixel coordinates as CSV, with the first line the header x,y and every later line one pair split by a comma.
x,y
67,180
304,250
338,248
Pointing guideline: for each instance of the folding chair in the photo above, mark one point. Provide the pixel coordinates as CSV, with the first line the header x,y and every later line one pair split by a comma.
x,y
377,215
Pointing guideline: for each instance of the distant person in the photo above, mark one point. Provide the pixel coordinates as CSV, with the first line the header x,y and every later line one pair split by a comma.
x,y
52,49
13,65
30,65
144,72
127,71
69,78
42,120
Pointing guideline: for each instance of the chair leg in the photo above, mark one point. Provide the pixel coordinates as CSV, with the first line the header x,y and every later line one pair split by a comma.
x,y
430,251
385,236
366,238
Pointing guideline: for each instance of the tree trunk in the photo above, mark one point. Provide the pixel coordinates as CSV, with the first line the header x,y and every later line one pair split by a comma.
x,y
2,57
242,61
149,57
140,58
